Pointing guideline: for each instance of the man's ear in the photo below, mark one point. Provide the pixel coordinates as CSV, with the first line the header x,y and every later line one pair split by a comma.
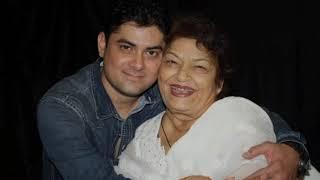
x,y
101,43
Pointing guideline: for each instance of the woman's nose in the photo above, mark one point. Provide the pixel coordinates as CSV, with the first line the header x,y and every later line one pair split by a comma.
x,y
183,74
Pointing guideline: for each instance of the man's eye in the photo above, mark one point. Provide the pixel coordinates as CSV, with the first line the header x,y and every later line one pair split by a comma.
x,y
153,53
124,47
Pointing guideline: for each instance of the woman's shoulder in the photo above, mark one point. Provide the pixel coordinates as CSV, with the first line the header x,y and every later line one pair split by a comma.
x,y
239,108
238,115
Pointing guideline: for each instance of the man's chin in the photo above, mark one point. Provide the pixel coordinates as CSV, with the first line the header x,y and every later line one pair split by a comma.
x,y
134,92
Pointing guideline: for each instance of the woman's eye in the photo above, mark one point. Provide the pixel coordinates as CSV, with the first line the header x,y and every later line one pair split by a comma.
x,y
201,68
171,62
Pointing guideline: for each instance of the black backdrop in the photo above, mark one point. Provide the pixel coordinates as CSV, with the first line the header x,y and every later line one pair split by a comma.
x,y
276,48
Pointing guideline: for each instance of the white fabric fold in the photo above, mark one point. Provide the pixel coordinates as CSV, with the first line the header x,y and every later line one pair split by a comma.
x,y
212,147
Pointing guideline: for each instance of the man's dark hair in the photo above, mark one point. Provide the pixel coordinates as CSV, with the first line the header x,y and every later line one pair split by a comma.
x,y
144,13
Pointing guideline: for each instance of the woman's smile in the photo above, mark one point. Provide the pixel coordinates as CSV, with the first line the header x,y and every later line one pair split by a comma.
x,y
181,91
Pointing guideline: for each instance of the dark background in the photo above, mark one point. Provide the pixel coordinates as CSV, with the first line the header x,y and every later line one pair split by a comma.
x,y
276,47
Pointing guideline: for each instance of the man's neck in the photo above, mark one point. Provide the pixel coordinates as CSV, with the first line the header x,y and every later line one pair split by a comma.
x,y
122,103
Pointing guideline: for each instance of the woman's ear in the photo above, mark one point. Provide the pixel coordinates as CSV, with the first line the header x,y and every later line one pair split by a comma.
x,y
101,43
220,86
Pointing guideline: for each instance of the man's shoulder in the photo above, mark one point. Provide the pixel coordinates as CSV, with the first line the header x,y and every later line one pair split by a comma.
x,y
76,84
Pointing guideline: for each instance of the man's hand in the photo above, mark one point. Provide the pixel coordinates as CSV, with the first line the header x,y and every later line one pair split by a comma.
x,y
196,178
203,178
282,161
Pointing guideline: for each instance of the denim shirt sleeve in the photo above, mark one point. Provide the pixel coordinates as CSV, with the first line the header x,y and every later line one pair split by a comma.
x,y
64,140
283,131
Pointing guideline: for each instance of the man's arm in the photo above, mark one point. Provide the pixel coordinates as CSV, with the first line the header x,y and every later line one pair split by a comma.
x,y
63,136
283,131
287,158
294,139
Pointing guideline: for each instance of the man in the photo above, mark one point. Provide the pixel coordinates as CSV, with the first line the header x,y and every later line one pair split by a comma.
x,y
87,119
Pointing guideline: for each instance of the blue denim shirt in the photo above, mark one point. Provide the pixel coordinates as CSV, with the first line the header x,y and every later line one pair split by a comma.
x,y
82,133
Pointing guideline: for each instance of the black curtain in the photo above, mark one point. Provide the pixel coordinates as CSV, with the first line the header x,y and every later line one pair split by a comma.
x,y
275,48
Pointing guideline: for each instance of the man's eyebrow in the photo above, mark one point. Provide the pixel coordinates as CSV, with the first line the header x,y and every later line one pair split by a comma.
x,y
126,41
132,44
155,47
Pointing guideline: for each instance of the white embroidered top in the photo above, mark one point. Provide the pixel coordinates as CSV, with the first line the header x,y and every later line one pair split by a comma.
x,y
212,147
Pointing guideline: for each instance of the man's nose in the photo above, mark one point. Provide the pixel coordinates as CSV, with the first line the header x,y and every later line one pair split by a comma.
x,y
137,62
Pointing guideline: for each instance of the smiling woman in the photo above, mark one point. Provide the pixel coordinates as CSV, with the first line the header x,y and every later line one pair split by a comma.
x,y
187,78
195,136
45,42
203,134
207,147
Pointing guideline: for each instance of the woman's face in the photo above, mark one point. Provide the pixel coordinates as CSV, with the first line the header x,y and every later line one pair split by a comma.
x,y
187,78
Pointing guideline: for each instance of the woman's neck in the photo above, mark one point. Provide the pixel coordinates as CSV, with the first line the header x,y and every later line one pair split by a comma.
x,y
179,123
173,127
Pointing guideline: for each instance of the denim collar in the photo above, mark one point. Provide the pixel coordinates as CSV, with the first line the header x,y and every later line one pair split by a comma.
x,y
105,108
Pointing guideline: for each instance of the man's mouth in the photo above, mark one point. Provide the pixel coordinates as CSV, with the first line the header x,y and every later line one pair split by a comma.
x,y
134,74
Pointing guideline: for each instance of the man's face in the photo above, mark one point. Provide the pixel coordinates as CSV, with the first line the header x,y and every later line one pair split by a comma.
x,y
131,56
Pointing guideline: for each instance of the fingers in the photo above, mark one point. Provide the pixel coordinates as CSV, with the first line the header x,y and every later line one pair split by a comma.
x,y
230,178
196,178
272,171
282,161
262,177
260,149
256,175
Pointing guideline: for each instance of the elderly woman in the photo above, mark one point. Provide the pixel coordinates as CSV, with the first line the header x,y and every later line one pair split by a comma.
x,y
201,132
